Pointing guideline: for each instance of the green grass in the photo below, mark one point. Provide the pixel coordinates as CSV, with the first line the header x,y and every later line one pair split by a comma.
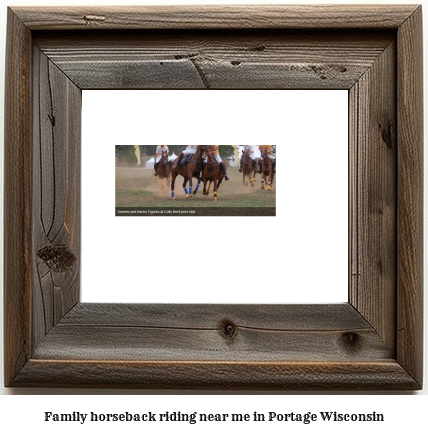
x,y
137,188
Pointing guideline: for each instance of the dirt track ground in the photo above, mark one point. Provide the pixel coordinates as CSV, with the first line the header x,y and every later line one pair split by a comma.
x,y
138,188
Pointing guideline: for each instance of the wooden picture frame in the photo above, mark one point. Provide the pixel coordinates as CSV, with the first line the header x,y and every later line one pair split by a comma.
x,y
372,342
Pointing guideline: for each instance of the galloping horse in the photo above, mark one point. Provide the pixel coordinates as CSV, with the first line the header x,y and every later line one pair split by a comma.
x,y
188,171
267,172
212,173
248,171
164,168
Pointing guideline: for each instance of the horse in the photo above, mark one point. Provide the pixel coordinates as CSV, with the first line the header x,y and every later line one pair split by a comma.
x,y
267,173
164,168
248,170
188,171
212,173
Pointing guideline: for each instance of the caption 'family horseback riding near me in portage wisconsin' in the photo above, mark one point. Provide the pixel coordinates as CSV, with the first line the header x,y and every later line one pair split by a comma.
x,y
212,180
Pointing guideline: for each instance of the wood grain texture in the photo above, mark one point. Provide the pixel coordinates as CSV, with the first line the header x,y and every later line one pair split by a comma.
x,y
373,155
17,198
216,59
217,17
410,197
56,194
340,317
386,375
199,332
374,342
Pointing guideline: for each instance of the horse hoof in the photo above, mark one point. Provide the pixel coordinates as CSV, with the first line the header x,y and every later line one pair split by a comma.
x,y
174,198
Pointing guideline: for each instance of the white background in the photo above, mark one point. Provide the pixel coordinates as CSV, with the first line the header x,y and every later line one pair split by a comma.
x,y
282,259
16,412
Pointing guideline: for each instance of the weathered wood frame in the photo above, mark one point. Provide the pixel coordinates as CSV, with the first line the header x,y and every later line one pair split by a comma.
x,y
372,342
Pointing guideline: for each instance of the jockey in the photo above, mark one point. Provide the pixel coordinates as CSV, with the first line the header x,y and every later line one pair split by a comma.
x,y
190,150
159,150
270,153
247,150
219,160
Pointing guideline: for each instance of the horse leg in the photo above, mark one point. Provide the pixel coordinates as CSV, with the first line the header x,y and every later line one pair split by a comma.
x,y
197,186
184,187
173,176
271,175
270,179
263,181
215,188
218,184
209,186
190,176
205,188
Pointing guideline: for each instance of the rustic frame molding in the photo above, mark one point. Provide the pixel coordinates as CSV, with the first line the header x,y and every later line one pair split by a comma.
x,y
372,342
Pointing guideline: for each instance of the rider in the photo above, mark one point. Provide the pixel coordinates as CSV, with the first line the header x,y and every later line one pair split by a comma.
x,y
249,151
190,150
159,150
219,160
266,149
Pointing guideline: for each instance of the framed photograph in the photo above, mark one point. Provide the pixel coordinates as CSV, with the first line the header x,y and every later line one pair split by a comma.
x,y
55,338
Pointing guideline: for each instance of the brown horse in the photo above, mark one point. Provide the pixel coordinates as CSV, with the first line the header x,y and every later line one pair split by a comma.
x,y
248,171
164,168
267,172
212,173
188,171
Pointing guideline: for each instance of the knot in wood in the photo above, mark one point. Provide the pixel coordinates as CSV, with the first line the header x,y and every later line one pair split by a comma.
x,y
58,259
351,340
228,329
94,18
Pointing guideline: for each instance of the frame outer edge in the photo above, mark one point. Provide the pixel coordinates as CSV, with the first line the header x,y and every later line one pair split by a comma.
x,y
215,16
386,375
410,197
17,201
17,215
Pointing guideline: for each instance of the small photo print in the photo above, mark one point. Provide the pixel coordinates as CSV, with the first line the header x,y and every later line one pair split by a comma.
x,y
195,180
